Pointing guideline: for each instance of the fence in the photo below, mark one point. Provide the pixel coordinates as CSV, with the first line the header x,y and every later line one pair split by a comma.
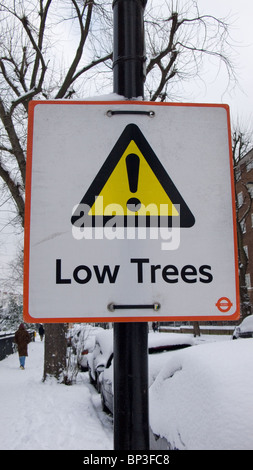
x,y
204,329
7,344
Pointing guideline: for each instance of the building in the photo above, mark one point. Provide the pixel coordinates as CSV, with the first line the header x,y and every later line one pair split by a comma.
x,y
244,200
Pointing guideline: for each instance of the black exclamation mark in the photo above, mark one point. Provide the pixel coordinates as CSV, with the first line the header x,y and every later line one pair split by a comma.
x,y
133,165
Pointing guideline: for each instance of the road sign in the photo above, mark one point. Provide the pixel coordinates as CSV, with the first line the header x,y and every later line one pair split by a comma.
x,y
129,212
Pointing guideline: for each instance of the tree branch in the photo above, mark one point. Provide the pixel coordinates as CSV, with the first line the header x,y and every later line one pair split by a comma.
x,y
7,78
14,190
39,57
24,99
169,48
89,66
14,140
84,30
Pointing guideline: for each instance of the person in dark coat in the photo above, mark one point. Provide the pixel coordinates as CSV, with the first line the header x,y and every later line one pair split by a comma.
x,y
41,332
155,326
22,339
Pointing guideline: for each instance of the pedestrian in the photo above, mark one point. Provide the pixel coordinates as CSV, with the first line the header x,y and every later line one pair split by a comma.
x,y
41,332
155,326
22,338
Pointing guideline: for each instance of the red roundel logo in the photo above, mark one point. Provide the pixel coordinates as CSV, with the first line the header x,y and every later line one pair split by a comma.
x,y
224,304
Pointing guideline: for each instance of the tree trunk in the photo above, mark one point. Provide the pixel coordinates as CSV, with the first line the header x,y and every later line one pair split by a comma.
x,y
196,328
55,351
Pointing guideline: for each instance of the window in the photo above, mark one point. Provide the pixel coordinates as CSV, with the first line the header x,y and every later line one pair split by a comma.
x,y
249,165
247,280
246,251
250,190
243,226
240,199
238,174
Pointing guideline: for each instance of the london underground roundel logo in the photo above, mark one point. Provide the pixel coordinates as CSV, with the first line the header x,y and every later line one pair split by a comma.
x,y
224,304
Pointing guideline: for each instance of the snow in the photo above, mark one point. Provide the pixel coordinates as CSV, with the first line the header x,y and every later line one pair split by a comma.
x,y
168,339
156,361
49,416
246,325
107,97
200,398
105,339
111,97
102,351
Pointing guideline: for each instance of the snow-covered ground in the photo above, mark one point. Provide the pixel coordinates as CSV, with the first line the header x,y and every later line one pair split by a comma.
x,y
48,416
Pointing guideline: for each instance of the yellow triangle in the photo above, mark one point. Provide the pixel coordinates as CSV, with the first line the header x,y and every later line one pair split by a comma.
x,y
116,192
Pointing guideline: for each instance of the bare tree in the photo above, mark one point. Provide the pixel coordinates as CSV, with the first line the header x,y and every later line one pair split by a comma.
x,y
52,49
179,38
28,52
37,60
29,33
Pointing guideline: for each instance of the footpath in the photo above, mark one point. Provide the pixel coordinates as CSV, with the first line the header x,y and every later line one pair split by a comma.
x,y
49,416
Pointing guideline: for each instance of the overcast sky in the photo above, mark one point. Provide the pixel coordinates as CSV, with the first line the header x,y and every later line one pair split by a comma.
x,y
240,99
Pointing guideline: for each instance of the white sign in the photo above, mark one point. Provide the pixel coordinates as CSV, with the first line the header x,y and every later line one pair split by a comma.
x,y
130,213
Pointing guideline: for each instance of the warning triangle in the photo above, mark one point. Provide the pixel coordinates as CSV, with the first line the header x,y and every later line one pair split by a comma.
x,y
132,185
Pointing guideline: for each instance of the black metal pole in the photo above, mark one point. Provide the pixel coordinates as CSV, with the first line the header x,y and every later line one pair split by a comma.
x,y
128,48
131,422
